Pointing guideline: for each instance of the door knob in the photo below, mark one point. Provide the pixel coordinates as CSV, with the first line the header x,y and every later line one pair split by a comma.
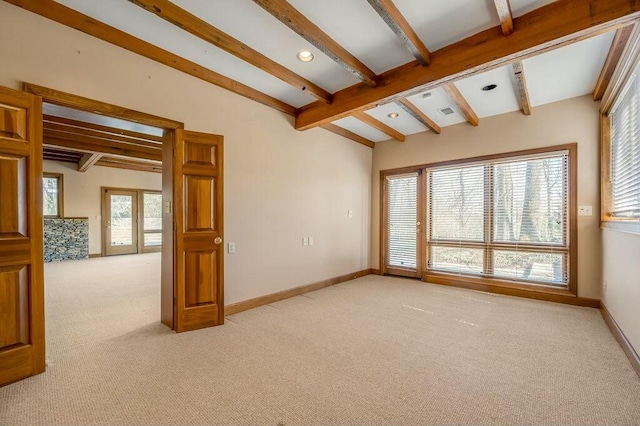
x,y
218,240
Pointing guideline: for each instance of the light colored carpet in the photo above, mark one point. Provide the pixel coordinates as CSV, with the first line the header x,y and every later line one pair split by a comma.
x,y
372,351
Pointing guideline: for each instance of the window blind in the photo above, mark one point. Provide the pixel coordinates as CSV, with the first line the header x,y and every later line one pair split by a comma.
x,y
402,216
503,218
625,154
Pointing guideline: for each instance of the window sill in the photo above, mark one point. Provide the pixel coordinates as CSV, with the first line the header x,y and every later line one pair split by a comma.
x,y
628,227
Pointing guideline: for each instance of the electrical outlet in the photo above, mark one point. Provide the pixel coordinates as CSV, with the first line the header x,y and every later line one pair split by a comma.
x,y
585,211
310,241
231,248
305,241
604,286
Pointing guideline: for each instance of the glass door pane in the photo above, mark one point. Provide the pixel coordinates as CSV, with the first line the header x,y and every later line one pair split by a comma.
x,y
121,220
402,222
121,236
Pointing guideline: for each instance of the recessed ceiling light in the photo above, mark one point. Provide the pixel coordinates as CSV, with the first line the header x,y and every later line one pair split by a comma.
x,y
393,115
489,87
305,56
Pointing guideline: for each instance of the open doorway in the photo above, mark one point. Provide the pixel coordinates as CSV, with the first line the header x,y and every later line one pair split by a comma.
x,y
192,283
192,278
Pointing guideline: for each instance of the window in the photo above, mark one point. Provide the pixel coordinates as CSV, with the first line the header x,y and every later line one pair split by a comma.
x,y
504,218
623,180
501,218
52,194
152,215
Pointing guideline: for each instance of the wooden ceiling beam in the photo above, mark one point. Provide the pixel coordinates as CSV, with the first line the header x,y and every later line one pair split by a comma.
x,y
57,12
348,134
521,88
141,166
74,137
100,128
296,21
618,45
416,113
58,155
390,131
87,161
86,147
207,32
47,125
461,103
399,25
503,7
557,24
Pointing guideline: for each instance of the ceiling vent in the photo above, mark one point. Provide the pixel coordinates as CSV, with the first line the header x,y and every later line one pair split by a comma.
x,y
446,111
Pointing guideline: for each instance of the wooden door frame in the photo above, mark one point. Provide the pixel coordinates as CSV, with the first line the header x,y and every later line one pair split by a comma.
x,y
140,193
69,100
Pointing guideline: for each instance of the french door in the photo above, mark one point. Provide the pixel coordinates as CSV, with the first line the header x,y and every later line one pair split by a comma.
x,y
121,222
403,204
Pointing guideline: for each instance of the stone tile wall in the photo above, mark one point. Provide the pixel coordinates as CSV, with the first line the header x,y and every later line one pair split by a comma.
x,y
66,239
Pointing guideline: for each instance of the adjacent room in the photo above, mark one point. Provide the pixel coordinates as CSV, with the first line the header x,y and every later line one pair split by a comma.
x,y
285,213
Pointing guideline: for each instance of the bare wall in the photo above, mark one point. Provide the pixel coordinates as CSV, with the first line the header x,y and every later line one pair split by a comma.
x,y
280,184
574,120
621,272
82,197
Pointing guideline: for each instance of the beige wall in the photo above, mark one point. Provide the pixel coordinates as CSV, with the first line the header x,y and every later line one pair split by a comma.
x,y
82,196
280,184
574,120
621,272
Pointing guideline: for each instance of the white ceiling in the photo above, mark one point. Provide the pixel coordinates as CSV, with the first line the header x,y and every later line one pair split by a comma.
x,y
564,73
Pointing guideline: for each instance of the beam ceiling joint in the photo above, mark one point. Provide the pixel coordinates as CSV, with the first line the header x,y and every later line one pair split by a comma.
x,y
399,25
301,25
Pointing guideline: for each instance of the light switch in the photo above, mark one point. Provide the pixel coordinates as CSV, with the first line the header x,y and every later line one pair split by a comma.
x,y
305,241
167,207
231,248
349,213
310,241
585,211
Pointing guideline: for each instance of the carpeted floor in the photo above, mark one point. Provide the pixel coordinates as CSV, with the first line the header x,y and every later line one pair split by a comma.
x,y
372,351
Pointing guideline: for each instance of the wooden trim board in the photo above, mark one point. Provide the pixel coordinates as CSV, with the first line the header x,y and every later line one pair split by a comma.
x,y
551,295
245,305
634,359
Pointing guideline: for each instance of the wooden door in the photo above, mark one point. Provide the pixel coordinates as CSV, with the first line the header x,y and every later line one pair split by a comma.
x,y
121,221
198,255
21,235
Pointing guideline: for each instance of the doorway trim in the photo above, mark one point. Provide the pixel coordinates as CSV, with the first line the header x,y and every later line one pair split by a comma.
x,y
58,97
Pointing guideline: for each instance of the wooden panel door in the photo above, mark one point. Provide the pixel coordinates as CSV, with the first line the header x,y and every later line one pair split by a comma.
x,y
121,221
199,260
21,258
